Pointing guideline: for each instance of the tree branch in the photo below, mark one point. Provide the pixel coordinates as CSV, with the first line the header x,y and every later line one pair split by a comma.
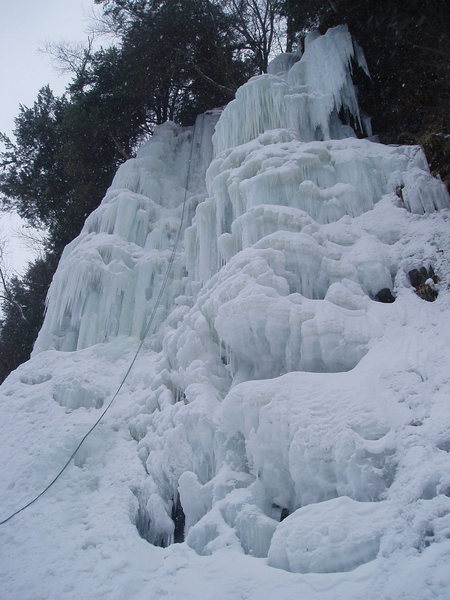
x,y
218,85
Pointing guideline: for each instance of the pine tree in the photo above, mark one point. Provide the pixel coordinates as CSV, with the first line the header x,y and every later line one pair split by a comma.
x,y
23,313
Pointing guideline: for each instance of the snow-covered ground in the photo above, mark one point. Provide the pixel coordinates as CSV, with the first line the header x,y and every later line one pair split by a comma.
x,y
286,428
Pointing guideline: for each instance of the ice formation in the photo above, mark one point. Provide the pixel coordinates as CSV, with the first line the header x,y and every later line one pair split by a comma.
x,y
283,423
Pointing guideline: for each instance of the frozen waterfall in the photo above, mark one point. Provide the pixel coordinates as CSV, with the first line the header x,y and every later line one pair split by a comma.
x,y
291,429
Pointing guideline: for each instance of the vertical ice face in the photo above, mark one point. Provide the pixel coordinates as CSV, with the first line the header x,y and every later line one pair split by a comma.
x,y
284,411
294,183
110,274
306,99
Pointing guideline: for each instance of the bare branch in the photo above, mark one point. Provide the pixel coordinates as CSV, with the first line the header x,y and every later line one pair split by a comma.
x,y
120,149
71,57
7,295
31,238
218,85
259,24
8,298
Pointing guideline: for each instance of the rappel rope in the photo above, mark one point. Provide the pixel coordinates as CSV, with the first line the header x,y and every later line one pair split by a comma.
x,y
136,354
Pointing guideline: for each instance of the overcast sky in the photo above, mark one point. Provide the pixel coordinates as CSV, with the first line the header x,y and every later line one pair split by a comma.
x,y
26,26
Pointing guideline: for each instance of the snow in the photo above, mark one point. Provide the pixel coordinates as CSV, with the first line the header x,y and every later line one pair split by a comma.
x,y
301,424
330,537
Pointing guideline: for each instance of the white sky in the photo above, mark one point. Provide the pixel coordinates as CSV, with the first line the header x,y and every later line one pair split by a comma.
x,y
26,26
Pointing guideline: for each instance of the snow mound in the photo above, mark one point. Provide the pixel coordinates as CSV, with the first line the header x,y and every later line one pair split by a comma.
x,y
329,537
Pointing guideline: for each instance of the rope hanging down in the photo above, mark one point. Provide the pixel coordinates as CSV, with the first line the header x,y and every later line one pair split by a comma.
x,y
136,354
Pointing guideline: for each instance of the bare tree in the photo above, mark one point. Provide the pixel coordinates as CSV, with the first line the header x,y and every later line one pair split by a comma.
x,y
73,58
6,293
261,25
33,239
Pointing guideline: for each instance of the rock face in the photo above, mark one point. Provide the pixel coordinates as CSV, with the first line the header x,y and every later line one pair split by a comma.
x,y
283,407
424,282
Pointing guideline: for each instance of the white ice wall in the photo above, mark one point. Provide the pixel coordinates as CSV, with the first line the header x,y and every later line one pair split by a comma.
x,y
109,276
307,99
295,418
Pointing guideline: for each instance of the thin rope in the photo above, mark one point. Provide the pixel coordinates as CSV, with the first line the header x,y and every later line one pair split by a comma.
x,y
136,354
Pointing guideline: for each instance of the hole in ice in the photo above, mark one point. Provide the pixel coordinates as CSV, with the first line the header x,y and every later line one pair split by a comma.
x,y
372,473
178,519
152,519
279,512
347,118
237,453
35,378
152,522
180,396
444,445
371,432
385,464
73,394
399,194
138,430
142,519
284,514
426,537
105,253
385,296
430,490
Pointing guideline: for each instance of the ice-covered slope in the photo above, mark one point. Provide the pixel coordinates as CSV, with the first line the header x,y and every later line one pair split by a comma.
x,y
291,430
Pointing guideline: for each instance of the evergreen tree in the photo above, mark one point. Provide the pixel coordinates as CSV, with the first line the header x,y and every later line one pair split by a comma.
x,y
32,178
179,58
22,313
